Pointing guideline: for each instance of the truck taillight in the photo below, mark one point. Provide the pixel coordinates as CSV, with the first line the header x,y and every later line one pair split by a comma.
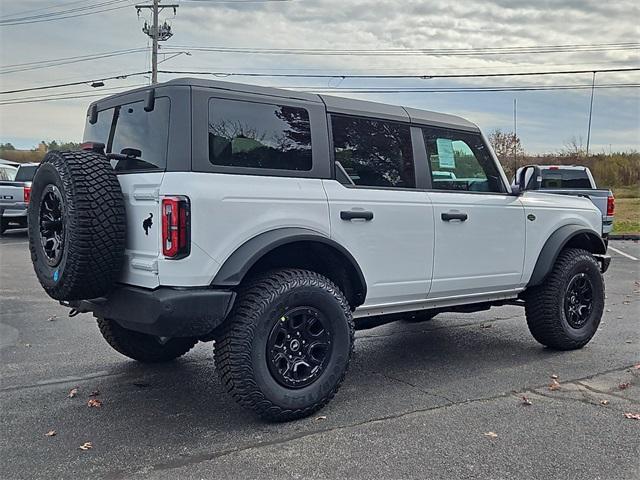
x,y
27,194
611,205
176,227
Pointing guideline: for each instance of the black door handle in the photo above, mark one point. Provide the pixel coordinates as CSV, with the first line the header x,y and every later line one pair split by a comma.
x,y
351,214
454,216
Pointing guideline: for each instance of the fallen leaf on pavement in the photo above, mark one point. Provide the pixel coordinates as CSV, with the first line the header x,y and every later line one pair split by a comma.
x,y
86,446
491,434
604,402
52,318
632,416
50,433
624,386
554,376
321,417
73,392
526,401
485,325
95,393
27,344
554,385
94,402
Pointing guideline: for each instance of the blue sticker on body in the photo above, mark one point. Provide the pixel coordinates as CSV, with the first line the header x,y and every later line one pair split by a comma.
x,y
56,275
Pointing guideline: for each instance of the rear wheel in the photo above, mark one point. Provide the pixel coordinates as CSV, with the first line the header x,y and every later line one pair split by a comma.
x,y
286,346
142,347
4,224
564,312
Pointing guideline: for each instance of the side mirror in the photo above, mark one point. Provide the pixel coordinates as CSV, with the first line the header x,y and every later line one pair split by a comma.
x,y
528,178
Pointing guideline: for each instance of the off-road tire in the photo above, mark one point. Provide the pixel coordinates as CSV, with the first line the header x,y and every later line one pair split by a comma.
x,y
93,219
240,347
142,347
544,304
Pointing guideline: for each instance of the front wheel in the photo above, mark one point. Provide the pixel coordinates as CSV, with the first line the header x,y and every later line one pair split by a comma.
x,y
286,346
565,311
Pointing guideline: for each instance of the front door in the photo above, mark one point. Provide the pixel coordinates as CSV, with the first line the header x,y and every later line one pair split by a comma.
x,y
479,227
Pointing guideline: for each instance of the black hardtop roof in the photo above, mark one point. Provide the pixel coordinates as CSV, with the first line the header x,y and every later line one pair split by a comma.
x,y
334,104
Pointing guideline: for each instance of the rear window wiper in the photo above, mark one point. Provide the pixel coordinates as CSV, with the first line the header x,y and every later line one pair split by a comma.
x,y
129,159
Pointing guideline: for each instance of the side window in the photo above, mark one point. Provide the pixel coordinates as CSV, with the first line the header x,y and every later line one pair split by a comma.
x,y
460,161
259,135
374,153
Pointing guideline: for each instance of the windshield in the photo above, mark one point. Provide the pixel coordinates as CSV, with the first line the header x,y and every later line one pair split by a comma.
x,y
565,178
130,127
25,173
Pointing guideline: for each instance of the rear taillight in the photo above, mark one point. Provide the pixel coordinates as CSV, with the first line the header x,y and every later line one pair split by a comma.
x,y
27,194
176,227
611,205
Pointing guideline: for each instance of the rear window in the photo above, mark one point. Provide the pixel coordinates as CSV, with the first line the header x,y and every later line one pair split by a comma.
x,y
26,173
564,178
127,128
259,135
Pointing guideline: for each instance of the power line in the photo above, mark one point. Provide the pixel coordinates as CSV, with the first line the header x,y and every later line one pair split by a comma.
x,y
293,75
423,77
66,61
13,18
70,84
72,95
483,51
10,22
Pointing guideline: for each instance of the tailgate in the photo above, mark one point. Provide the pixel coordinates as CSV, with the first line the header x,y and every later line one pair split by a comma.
x,y
12,196
143,240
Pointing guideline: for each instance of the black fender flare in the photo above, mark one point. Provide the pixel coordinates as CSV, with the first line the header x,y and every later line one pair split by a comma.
x,y
584,237
236,266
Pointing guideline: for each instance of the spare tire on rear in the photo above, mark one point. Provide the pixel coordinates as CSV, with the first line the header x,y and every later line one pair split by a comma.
x,y
76,225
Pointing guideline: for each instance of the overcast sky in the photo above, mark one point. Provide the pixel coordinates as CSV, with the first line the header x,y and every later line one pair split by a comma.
x,y
546,119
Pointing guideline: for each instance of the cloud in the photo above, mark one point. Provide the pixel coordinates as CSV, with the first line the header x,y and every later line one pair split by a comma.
x,y
354,24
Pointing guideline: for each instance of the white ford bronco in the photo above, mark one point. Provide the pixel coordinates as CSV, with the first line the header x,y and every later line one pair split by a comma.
x,y
276,223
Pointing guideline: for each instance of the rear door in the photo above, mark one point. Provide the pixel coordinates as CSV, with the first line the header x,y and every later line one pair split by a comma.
x,y
128,128
377,210
479,227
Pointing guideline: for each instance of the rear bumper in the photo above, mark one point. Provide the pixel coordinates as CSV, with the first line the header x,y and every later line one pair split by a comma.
x,y
164,312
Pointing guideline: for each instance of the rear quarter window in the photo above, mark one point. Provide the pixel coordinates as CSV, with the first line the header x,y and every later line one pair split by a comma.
x,y
259,135
129,126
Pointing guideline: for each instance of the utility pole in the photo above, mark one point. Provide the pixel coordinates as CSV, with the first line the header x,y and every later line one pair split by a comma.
x,y
515,136
593,87
157,32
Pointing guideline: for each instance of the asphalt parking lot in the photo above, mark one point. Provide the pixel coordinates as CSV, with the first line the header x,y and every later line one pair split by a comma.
x,y
442,399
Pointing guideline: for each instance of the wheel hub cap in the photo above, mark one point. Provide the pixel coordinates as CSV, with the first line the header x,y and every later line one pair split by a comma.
x,y
578,303
299,347
51,225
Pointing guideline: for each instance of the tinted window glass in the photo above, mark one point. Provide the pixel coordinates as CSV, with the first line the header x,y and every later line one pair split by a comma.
x,y
147,132
259,135
7,173
374,153
565,179
460,161
134,129
26,173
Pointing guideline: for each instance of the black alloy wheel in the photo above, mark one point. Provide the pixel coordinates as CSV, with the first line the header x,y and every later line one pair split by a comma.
x,y
578,300
51,223
299,347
